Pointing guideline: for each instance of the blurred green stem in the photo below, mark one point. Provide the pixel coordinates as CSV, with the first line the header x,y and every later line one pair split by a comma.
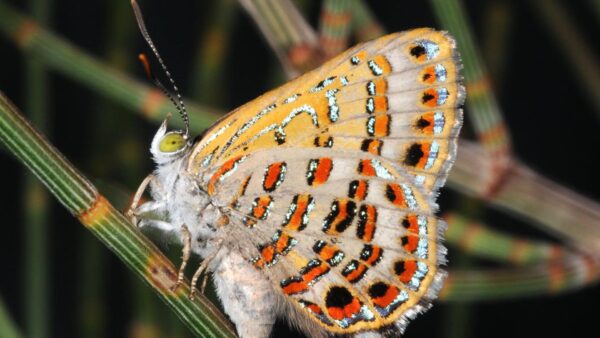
x,y
289,35
596,7
8,329
498,23
334,26
481,103
92,294
582,58
364,23
36,204
210,62
458,315
565,274
482,241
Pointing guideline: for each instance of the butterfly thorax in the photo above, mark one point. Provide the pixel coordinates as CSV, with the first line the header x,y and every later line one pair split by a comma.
x,y
185,203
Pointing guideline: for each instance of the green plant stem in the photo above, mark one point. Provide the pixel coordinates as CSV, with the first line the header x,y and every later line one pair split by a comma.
x,y
287,33
480,240
82,200
211,60
36,203
549,278
364,23
334,26
582,58
596,8
457,315
92,294
498,26
8,328
526,194
57,54
481,102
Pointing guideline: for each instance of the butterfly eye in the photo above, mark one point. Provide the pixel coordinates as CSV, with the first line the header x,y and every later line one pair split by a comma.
x,y
171,142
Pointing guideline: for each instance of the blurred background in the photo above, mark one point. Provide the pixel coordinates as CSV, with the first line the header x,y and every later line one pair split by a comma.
x,y
521,261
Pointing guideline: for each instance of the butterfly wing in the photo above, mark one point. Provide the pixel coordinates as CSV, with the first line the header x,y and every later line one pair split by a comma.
x,y
330,180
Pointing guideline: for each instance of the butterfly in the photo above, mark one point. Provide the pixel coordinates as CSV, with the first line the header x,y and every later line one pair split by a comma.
x,y
315,202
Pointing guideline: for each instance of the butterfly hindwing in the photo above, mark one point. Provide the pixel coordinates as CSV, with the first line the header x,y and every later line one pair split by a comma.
x,y
331,225
330,180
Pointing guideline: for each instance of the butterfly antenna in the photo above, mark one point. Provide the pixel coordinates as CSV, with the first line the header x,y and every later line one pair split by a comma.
x,y
152,77
177,102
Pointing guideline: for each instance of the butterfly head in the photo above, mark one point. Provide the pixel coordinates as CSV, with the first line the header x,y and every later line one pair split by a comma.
x,y
168,146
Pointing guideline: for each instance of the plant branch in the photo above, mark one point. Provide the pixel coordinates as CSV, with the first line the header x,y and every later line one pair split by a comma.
x,y
83,201
553,277
8,328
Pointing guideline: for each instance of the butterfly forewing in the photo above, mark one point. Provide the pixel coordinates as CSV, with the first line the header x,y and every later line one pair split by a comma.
x,y
330,180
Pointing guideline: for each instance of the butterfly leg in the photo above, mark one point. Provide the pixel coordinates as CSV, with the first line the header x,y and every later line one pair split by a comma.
x,y
163,226
199,271
130,213
186,238
246,294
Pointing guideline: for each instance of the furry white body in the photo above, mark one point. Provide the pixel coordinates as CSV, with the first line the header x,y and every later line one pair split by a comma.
x,y
247,295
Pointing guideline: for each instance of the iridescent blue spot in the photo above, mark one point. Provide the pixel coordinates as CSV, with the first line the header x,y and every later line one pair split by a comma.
x,y
442,96
440,73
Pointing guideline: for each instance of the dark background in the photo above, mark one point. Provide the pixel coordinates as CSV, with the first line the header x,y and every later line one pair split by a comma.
x,y
552,121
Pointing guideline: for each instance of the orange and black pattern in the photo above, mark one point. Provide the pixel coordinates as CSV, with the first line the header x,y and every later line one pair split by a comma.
x,y
330,180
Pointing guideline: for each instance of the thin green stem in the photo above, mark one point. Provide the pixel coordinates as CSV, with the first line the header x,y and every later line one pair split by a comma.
x,y
211,57
582,58
82,200
36,204
92,294
524,193
8,328
481,102
364,23
596,8
499,16
289,35
457,315
568,273
334,26
480,240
